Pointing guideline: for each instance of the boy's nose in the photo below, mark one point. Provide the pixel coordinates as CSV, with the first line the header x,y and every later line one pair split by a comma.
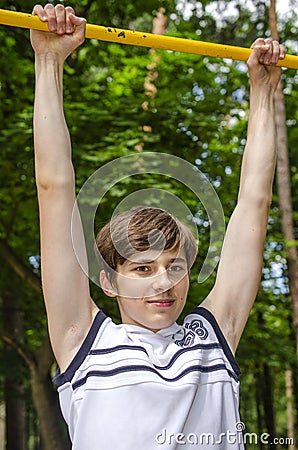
x,y
162,282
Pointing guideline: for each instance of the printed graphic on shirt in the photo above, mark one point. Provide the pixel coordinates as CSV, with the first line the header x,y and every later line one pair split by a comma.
x,y
196,328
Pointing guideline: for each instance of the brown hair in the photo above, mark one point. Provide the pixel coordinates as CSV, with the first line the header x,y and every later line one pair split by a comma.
x,y
139,229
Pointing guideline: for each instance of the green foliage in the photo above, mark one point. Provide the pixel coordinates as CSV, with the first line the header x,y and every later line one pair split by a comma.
x,y
199,113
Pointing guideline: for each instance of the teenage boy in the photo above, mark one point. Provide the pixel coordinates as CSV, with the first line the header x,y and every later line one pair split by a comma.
x,y
147,383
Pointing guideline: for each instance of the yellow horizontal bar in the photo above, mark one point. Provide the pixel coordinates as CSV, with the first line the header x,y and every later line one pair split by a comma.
x,y
119,36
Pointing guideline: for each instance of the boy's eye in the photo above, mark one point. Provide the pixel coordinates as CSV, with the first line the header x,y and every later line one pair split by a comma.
x,y
142,269
175,268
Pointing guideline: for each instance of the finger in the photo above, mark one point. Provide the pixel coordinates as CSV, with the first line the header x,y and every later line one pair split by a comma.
x,y
257,42
276,52
258,54
282,53
60,18
270,56
259,47
39,11
70,27
50,11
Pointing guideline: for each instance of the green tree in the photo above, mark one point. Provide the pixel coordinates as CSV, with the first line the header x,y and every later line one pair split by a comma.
x,y
199,113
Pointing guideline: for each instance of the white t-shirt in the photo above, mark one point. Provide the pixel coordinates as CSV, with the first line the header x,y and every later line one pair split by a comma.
x,y
129,388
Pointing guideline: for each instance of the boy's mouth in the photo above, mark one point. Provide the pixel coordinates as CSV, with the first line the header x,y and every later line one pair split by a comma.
x,y
162,303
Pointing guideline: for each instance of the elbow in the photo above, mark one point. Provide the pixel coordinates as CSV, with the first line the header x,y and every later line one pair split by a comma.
x,y
55,181
257,201
260,198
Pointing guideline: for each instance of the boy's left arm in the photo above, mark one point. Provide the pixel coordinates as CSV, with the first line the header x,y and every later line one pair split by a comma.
x,y
241,261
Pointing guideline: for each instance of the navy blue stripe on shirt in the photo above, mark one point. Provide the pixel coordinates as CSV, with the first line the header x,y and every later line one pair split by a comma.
x,y
201,311
66,376
141,368
180,352
105,351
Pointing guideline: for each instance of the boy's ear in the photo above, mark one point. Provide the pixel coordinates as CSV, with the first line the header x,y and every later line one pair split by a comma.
x,y
106,284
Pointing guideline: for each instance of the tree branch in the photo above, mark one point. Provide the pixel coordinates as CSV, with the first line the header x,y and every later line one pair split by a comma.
x,y
18,265
20,349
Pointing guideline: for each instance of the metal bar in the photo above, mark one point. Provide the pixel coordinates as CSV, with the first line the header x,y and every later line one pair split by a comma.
x,y
111,34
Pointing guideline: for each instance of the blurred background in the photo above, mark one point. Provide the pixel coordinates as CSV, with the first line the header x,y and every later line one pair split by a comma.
x,y
121,100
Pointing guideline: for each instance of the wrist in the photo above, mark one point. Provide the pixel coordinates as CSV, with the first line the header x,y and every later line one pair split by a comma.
x,y
49,58
49,71
262,96
264,89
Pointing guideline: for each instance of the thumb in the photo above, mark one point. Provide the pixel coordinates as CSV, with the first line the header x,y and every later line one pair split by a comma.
x,y
78,21
80,26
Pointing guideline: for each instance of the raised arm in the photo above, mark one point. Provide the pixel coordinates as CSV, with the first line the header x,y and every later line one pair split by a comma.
x,y
240,266
69,308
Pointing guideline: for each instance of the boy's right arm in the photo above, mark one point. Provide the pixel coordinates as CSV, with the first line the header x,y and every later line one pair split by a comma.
x,y
69,307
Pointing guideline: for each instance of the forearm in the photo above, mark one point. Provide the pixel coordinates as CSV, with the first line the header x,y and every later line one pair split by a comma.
x,y
51,137
258,165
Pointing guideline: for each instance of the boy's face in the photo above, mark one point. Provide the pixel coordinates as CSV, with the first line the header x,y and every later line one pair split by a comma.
x,y
151,288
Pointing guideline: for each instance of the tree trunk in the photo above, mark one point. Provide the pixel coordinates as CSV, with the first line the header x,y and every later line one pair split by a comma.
x,y
290,412
158,27
268,403
258,395
15,410
15,420
45,399
52,435
285,204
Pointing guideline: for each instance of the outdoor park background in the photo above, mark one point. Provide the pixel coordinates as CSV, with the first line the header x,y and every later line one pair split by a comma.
x,y
121,100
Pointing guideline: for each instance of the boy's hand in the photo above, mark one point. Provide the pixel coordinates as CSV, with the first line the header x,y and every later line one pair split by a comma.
x,y
261,63
67,31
